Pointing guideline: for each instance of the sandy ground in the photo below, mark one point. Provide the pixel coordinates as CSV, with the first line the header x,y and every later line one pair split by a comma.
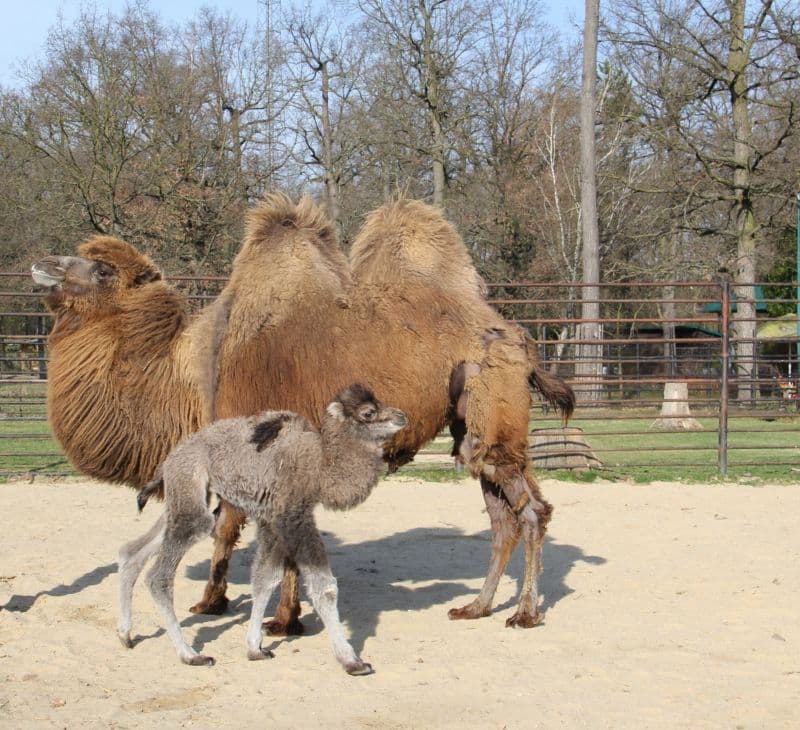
x,y
667,606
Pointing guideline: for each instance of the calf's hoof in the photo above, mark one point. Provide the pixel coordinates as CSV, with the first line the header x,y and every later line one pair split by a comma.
x,y
214,607
199,660
524,620
468,612
277,627
255,655
359,668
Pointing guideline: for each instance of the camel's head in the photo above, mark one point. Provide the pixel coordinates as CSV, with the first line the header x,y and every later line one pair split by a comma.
x,y
103,271
364,415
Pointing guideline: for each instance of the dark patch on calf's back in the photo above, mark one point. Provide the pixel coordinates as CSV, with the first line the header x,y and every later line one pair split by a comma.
x,y
266,432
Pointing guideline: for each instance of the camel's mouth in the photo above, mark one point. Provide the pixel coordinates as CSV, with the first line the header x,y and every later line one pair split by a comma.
x,y
48,274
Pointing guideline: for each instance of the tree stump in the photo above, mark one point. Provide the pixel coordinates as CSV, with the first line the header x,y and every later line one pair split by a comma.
x,y
561,448
675,413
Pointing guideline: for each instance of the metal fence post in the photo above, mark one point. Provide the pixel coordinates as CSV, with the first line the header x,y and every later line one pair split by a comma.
x,y
797,298
725,298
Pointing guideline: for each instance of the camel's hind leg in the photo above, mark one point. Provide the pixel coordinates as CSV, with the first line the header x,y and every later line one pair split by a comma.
x,y
533,517
132,558
287,614
226,534
494,403
505,536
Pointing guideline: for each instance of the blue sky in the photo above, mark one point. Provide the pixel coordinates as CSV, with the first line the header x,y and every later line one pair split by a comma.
x,y
25,23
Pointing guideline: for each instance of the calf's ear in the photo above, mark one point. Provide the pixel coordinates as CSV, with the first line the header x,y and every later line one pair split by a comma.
x,y
336,410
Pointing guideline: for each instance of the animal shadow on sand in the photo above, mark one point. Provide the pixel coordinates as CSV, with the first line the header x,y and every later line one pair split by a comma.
x,y
23,604
379,575
373,577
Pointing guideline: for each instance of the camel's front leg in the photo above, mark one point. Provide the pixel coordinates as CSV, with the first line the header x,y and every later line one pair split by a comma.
x,y
226,534
286,621
505,536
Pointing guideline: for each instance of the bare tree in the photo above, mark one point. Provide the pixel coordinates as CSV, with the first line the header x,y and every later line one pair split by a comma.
x,y
493,146
728,114
427,42
149,133
326,63
232,63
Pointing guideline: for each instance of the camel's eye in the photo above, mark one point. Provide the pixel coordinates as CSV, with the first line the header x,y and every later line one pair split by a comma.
x,y
103,272
368,413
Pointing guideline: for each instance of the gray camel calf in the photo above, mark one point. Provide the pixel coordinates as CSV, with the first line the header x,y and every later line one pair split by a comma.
x,y
275,467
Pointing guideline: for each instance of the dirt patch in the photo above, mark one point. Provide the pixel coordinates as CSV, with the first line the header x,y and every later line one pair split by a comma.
x,y
667,606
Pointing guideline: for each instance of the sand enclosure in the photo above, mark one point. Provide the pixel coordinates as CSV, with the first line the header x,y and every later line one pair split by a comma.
x,y
667,605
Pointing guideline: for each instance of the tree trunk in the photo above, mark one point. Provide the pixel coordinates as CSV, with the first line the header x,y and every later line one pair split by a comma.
x,y
744,320
590,350
331,181
236,151
433,99
675,413
669,310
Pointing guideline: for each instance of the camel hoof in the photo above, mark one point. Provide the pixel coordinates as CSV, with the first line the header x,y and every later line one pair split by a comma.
x,y
359,668
199,660
255,655
467,612
524,620
276,627
125,639
213,608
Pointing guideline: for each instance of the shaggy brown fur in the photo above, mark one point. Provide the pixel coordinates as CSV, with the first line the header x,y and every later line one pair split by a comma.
x,y
413,314
412,241
119,394
292,326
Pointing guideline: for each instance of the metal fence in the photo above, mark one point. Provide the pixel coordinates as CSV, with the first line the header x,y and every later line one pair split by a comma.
x,y
671,382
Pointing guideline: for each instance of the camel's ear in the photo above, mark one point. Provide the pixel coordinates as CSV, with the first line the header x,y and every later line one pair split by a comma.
x,y
148,275
336,410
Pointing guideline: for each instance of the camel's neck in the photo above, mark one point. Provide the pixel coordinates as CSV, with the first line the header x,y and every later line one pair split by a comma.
x,y
119,396
350,467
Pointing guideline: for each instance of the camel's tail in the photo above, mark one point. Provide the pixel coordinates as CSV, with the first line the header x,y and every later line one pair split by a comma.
x,y
554,390
154,486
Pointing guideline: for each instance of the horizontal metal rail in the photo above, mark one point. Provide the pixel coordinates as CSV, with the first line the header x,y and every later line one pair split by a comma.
x,y
742,392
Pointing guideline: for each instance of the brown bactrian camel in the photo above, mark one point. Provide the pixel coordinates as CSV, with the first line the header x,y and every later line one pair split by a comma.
x,y
297,322
121,391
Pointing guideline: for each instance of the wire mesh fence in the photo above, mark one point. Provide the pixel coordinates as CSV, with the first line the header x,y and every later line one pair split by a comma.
x,y
683,377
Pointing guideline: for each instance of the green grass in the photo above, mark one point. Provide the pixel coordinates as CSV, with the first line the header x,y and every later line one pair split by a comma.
x,y
642,458
433,472
758,450
26,446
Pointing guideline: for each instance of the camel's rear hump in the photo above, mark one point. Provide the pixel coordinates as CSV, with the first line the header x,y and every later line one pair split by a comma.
x,y
408,240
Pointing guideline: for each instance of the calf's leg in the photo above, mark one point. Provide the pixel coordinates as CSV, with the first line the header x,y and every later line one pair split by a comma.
x,y
214,601
181,533
323,593
287,614
266,574
132,558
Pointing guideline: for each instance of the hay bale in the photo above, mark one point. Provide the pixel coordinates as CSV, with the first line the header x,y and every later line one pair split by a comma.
x,y
561,448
